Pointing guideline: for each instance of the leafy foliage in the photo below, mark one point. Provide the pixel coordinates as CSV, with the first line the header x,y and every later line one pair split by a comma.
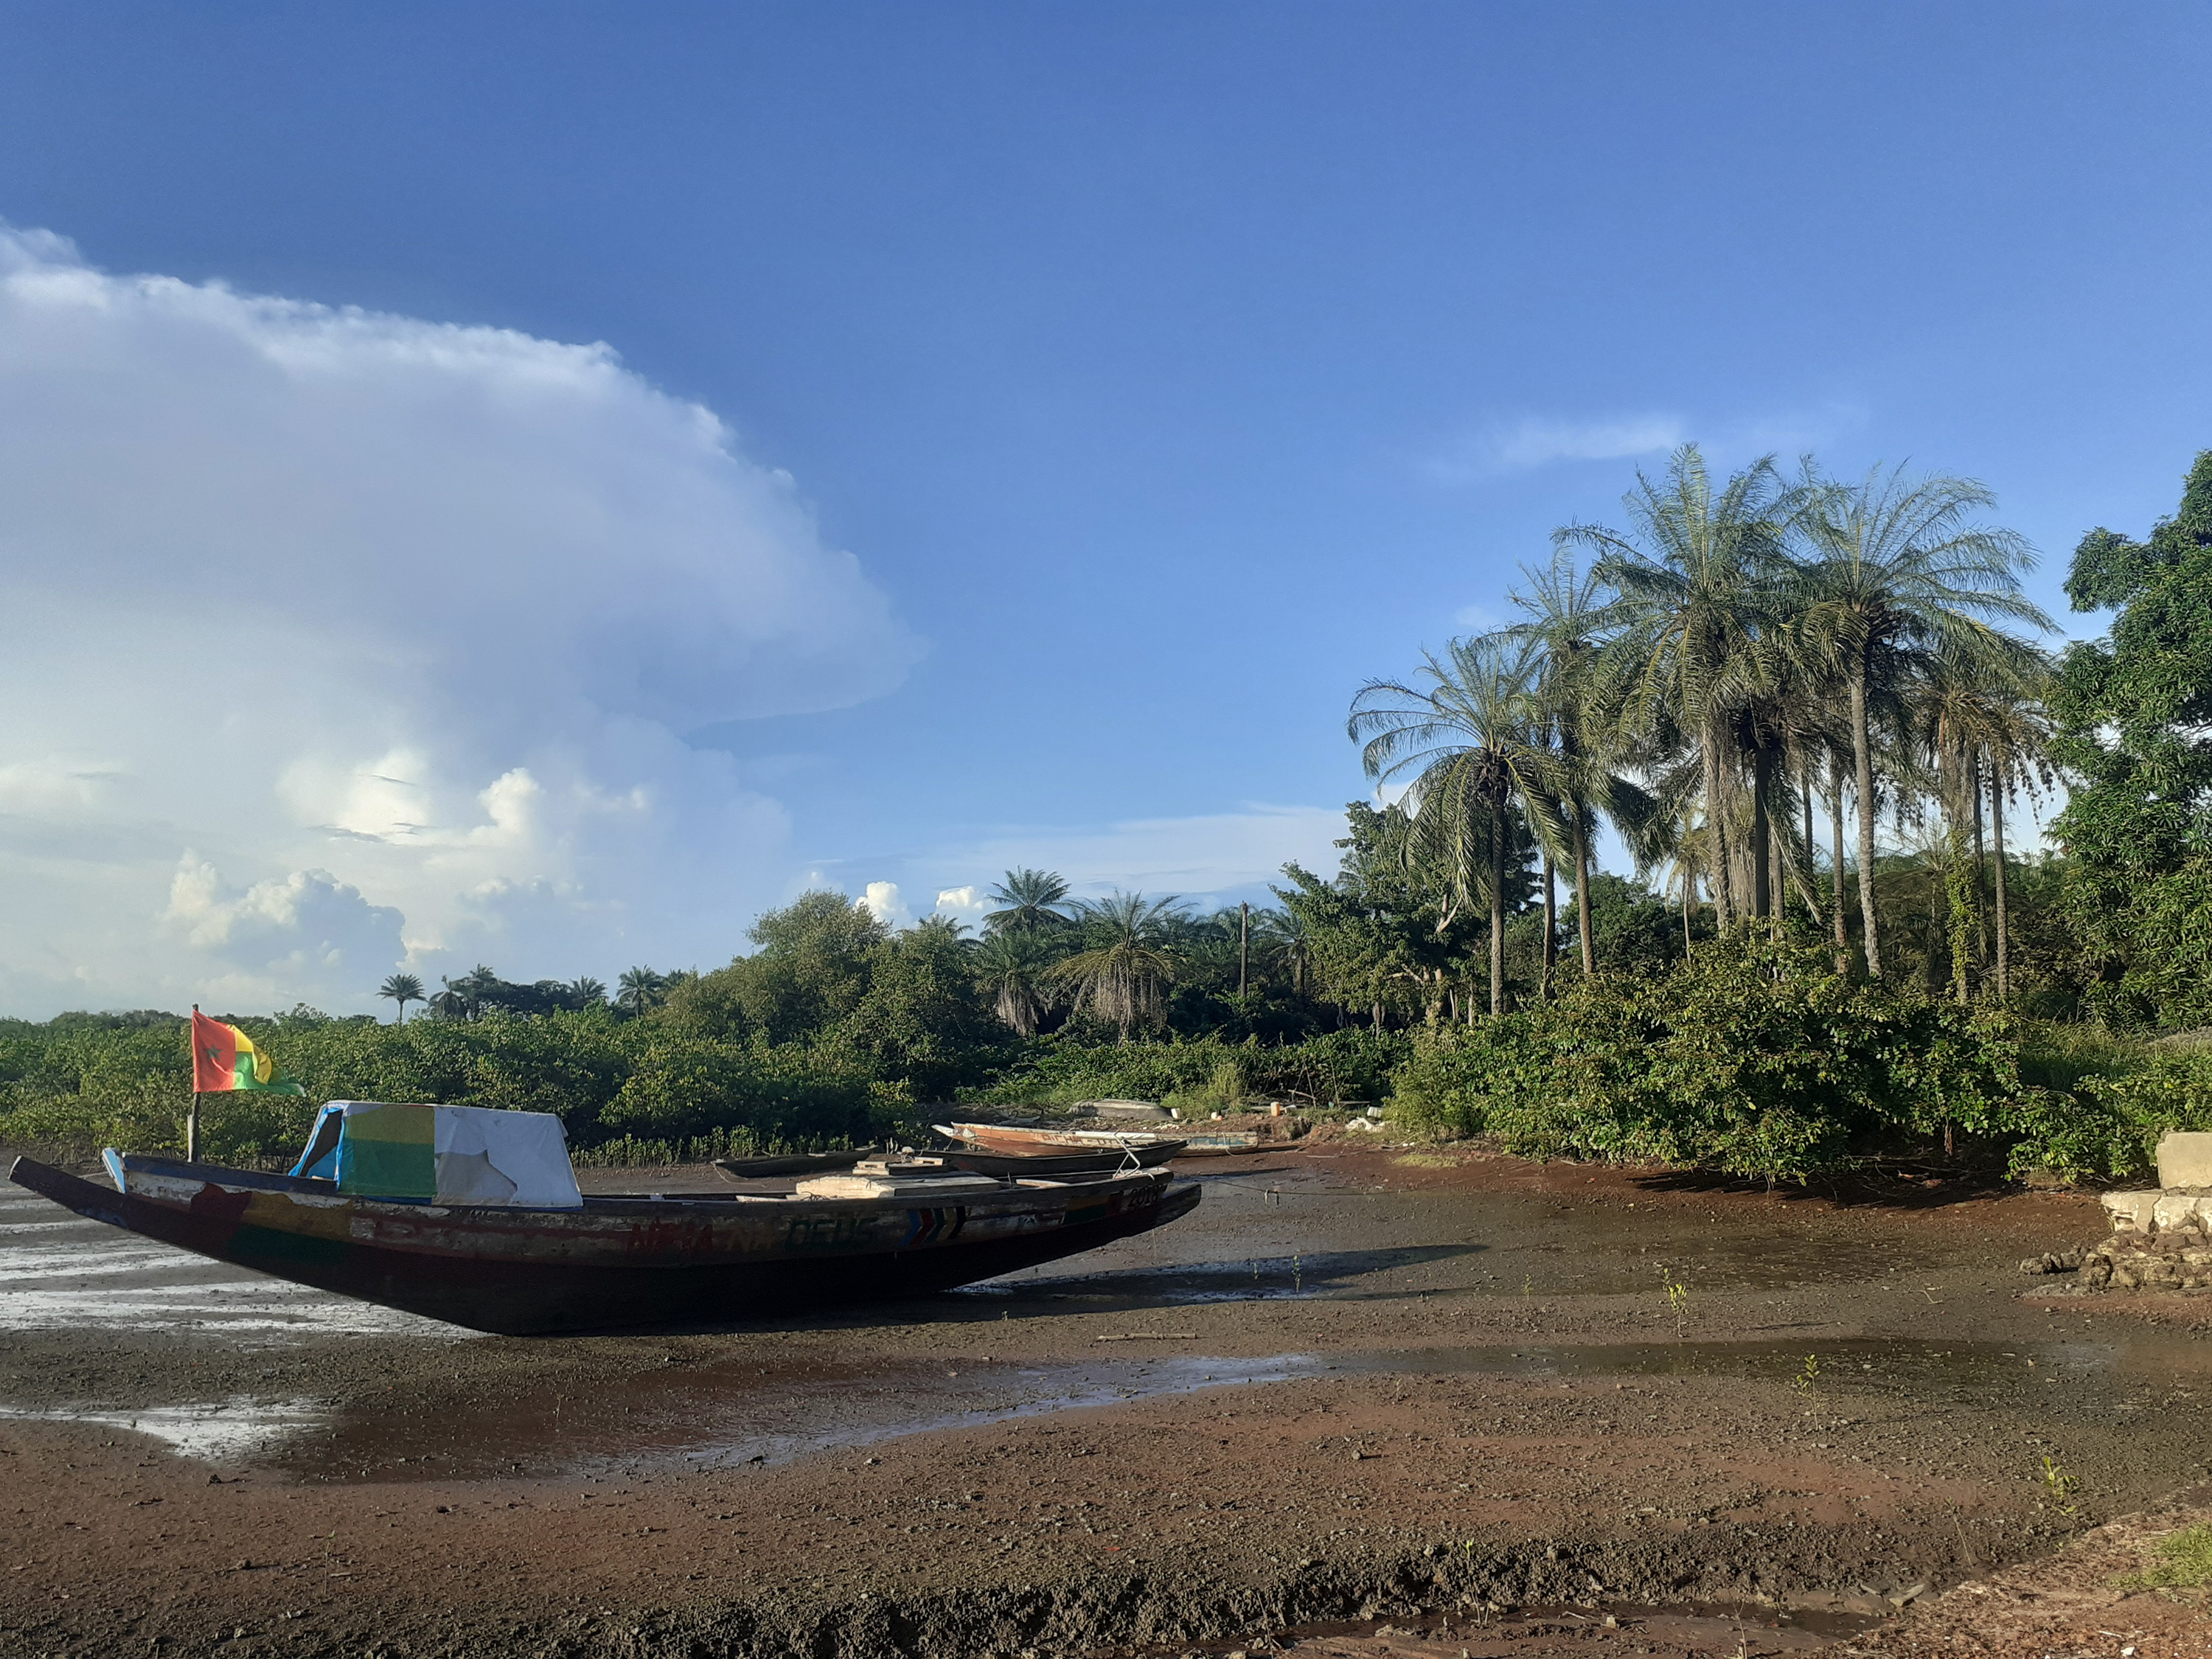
x,y
1757,1059
2134,710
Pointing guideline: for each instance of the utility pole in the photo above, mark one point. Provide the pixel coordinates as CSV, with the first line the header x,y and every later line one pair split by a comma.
x,y
1243,944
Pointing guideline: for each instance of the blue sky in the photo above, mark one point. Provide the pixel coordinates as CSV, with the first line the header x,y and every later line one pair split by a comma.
x,y
1167,370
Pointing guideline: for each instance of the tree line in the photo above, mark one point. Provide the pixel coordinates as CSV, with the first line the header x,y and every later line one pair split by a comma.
x,y
1809,709
1746,657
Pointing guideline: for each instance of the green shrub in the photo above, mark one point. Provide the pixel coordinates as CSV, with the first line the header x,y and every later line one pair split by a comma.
x,y
2111,1124
1758,1061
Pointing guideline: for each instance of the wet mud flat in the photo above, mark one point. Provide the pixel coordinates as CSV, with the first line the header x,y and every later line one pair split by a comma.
x,y
1354,1403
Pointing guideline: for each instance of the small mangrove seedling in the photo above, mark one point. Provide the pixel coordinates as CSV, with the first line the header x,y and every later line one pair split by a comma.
x,y
1808,1374
2057,1486
1678,1299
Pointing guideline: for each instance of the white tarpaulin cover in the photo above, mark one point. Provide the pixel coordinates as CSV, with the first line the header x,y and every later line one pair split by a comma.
x,y
443,1154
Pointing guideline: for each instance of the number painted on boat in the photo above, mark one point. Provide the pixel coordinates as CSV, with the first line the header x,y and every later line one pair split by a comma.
x,y
828,1233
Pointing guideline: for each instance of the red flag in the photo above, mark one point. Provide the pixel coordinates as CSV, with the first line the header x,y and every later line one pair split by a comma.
x,y
224,1058
214,1054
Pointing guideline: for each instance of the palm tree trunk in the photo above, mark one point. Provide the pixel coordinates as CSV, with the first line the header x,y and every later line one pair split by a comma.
x,y
1550,930
1689,903
1836,825
1714,832
1863,764
1762,833
1582,896
1981,862
1781,902
1497,909
1996,834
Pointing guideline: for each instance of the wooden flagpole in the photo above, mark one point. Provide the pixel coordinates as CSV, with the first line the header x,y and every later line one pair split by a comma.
x,y
193,1117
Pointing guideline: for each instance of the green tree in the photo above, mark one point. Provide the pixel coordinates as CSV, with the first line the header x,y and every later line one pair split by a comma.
x,y
1579,699
401,988
1123,971
920,1020
811,970
1903,572
1013,969
2132,710
1696,583
639,989
1471,745
1029,902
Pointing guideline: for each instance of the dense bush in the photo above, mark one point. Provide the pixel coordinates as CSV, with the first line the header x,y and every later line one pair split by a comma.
x,y
1759,1061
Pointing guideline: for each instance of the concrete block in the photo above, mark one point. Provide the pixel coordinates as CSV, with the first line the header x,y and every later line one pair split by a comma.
x,y
2175,1210
2185,1159
2130,1209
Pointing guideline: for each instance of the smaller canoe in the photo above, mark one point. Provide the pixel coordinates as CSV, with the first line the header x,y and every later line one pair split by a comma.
x,y
793,1163
1058,1166
1232,1142
1018,1143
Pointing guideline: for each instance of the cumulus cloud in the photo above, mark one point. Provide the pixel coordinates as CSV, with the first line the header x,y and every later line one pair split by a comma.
x,y
881,900
339,640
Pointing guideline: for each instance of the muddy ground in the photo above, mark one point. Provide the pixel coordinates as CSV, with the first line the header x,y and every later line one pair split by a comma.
x,y
1360,1402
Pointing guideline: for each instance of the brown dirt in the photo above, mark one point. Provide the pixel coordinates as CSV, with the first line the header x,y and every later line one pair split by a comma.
x,y
1491,1433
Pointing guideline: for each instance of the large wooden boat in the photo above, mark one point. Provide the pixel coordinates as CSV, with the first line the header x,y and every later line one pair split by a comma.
x,y
615,1262
1149,1146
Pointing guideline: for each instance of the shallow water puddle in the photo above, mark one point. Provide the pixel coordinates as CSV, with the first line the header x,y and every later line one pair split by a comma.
x,y
220,1432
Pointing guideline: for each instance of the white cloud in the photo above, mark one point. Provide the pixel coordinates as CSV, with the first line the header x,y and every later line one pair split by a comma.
x,y
384,629
880,899
1535,440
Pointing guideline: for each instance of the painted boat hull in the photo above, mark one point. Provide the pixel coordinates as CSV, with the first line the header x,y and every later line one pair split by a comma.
x,y
1034,1143
618,1263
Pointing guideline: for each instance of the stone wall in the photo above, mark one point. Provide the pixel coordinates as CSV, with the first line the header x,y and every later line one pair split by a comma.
x,y
2161,1240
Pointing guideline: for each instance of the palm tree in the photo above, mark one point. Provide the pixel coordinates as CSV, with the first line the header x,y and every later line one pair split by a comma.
x,y
1472,744
1123,973
586,992
463,999
1983,725
401,988
1902,571
1570,616
639,989
1029,901
1281,940
1014,968
1695,585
